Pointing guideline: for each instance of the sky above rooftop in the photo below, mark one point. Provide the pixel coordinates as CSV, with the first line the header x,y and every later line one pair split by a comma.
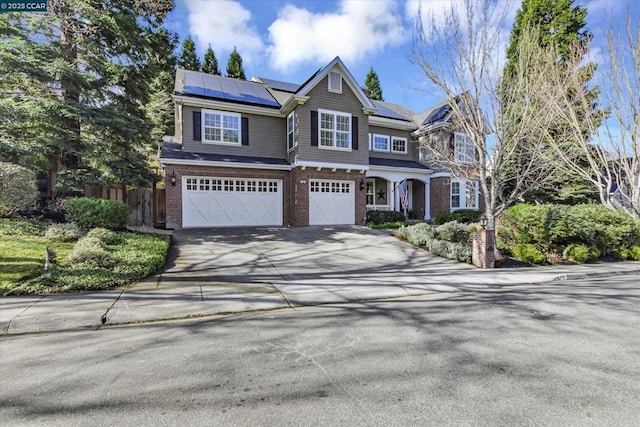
x,y
290,40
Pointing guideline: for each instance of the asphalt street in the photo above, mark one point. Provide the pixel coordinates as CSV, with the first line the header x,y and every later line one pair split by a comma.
x,y
557,354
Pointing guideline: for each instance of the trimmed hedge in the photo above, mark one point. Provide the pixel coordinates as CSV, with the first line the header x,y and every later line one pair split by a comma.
x,y
92,213
381,217
552,228
465,216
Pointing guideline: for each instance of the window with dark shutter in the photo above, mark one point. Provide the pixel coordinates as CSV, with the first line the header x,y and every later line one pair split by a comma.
x,y
245,131
354,133
314,128
197,126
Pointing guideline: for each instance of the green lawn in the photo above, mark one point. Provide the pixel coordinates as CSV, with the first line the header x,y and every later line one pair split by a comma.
x,y
22,258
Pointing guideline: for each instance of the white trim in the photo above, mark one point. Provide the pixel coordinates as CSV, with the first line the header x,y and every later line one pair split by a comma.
x,y
399,138
330,80
463,182
428,172
222,114
373,143
166,162
368,106
322,165
227,106
293,129
335,131
462,144
442,175
392,123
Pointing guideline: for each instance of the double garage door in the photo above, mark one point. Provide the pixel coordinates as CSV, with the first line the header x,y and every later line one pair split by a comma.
x,y
234,202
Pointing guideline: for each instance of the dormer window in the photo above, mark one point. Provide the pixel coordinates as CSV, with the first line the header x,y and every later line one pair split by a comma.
x,y
335,82
464,150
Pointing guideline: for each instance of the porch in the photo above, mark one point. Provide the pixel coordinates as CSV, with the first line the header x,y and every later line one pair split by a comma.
x,y
385,195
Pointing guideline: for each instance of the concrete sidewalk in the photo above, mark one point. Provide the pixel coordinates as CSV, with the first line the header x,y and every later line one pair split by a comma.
x,y
153,299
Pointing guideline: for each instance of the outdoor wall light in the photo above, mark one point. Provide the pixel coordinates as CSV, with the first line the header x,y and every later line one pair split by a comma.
x,y
484,221
172,177
362,185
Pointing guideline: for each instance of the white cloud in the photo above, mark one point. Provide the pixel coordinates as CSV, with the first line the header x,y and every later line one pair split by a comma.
x,y
354,30
224,24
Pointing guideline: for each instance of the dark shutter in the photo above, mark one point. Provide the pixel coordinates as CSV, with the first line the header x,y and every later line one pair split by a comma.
x,y
314,128
245,131
354,133
197,126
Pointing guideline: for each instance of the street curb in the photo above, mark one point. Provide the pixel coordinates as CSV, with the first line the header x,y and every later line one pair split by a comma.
x,y
576,276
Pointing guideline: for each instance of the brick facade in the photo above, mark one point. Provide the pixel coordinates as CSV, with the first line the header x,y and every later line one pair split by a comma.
x,y
295,189
418,199
439,193
300,192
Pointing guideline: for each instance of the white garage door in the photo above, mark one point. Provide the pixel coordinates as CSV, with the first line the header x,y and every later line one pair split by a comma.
x,y
229,202
331,202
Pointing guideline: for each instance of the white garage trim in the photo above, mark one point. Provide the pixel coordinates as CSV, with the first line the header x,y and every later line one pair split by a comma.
x,y
231,202
331,202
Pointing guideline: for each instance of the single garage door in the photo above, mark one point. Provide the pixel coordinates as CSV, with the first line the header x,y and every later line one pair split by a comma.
x,y
331,202
231,202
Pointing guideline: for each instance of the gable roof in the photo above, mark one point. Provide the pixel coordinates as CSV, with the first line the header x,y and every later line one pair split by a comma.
x,y
209,86
389,111
306,87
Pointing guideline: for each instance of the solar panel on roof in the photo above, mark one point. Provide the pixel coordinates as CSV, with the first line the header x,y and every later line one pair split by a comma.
x,y
384,111
228,89
437,115
283,86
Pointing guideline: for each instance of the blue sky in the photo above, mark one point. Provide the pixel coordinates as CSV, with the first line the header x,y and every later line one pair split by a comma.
x,y
289,40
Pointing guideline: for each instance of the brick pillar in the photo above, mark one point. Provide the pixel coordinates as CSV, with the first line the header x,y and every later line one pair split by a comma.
x,y
483,248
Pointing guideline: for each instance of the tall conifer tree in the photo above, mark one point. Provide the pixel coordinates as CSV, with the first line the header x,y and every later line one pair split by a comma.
x,y
372,84
188,58
234,67
210,64
562,24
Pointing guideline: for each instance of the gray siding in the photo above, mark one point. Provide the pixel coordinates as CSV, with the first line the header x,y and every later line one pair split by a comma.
x,y
412,146
267,137
347,102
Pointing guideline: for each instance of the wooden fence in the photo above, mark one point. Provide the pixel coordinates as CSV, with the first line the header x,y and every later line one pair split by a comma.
x,y
146,205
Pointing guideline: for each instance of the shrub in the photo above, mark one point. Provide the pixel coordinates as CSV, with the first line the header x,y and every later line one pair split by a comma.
x,y
454,231
577,252
594,253
63,232
18,189
91,213
387,225
528,253
632,253
105,236
555,227
89,251
465,216
380,217
418,234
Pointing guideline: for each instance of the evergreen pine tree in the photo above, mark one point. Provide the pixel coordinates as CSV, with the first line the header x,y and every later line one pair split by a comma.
x,y
210,64
372,84
188,58
234,66
562,24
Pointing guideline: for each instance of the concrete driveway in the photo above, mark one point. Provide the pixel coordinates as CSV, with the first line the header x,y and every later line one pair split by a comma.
x,y
298,262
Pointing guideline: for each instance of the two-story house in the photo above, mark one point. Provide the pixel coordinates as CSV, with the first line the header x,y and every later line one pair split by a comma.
x,y
271,153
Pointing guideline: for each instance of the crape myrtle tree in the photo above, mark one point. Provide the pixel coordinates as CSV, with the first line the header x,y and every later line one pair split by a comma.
x,y
210,64
234,66
461,60
560,26
78,81
188,58
372,86
611,147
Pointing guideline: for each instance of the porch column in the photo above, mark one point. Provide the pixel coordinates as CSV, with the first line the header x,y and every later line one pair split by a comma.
x,y
396,196
427,201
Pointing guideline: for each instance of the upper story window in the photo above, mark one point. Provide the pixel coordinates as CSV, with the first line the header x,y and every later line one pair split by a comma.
x,y
291,131
335,129
464,194
221,127
335,82
464,150
380,143
398,145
